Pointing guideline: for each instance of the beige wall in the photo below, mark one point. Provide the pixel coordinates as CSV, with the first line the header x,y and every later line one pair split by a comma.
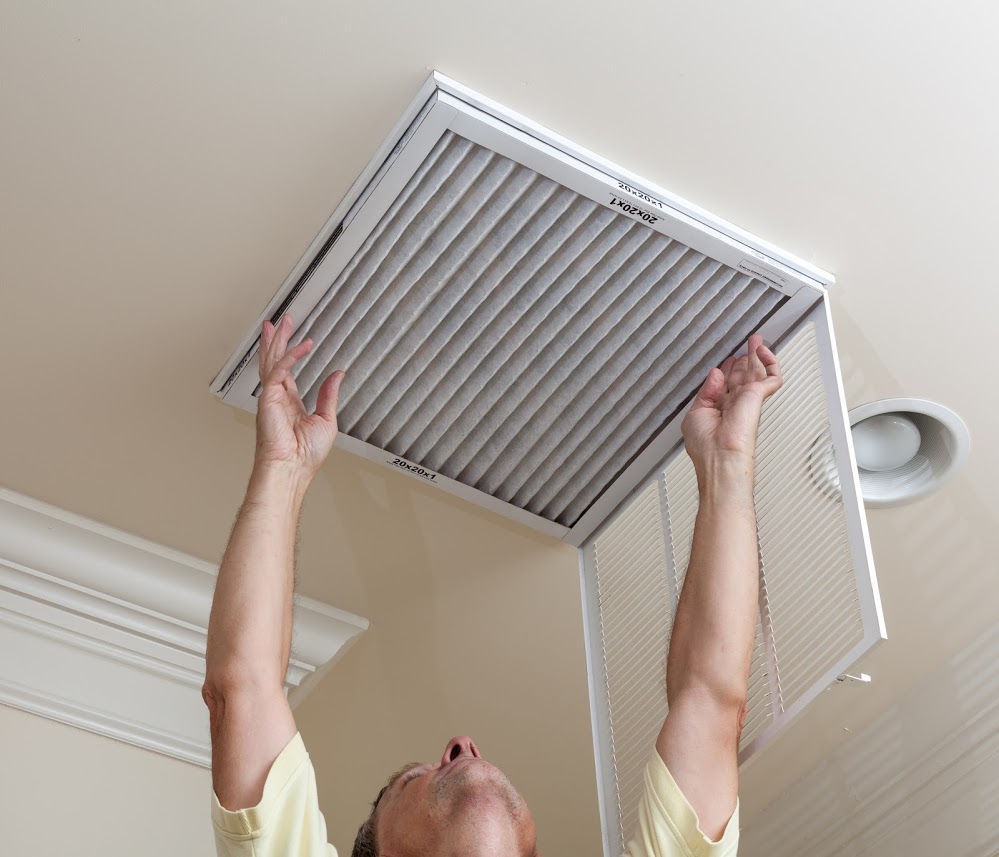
x,y
65,791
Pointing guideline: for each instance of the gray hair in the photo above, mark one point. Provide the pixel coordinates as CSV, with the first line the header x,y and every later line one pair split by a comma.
x,y
365,843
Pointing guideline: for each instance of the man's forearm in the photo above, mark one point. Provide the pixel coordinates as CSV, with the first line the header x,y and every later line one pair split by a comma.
x,y
715,625
249,633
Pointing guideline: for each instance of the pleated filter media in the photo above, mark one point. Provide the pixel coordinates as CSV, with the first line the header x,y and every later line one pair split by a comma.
x,y
809,608
510,334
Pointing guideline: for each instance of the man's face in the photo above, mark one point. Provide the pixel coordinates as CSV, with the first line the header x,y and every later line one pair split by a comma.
x,y
459,805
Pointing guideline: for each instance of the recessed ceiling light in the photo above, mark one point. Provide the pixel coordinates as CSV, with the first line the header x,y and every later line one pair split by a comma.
x,y
942,445
905,449
885,442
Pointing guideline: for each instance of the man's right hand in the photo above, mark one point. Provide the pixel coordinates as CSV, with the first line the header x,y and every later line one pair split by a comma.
x,y
287,436
721,425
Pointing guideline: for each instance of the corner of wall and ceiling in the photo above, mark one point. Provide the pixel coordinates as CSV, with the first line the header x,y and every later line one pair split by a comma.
x,y
108,632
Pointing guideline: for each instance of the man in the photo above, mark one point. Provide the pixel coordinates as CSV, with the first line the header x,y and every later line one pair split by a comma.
x,y
264,796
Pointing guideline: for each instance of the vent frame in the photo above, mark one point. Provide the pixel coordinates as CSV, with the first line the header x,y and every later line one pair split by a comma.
x,y
441,106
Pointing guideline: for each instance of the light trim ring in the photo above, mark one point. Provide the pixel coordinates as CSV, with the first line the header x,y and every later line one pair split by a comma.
x,y
945,445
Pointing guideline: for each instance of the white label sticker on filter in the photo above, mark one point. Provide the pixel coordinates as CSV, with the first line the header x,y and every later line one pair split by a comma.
x,y
642,195
415,469
751,267
629,206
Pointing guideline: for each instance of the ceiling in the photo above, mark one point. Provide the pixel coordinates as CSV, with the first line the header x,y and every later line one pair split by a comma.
x,y
163,167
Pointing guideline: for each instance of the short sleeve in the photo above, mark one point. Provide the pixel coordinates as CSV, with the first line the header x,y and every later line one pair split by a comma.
x,y
287,821
668,825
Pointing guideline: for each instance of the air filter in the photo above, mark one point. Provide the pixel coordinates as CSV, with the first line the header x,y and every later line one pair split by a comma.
x,y
520,322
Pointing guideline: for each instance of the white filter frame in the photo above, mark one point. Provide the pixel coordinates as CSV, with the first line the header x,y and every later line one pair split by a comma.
x,y
444,105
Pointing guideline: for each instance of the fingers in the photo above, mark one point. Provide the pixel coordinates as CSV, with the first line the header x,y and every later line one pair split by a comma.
x,y
737,376
274,341
747,367
711,390
758,365
329,394
774,380
726,367
282,369
275,364
755,368
284,331
266,337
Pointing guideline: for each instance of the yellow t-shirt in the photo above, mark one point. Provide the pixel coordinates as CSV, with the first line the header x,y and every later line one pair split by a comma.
x,y
667,824
287,821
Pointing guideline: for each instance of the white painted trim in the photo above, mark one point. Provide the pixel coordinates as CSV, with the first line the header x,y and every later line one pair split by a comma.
x,y
107,631
846,466
45,704
596,680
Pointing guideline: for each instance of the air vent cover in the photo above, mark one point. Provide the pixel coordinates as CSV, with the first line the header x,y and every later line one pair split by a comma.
x,y
819,610
516,325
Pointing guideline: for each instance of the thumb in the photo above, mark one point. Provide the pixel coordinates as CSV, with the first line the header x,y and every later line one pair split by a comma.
x,y
329,393
711,390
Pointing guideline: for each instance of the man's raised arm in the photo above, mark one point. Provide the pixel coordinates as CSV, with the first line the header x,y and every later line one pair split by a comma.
x,y
711,646
249,633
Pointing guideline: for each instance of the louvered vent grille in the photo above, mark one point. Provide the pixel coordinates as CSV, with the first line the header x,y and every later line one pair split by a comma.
x,y
679,484
809,614
809,583
636,619
515,336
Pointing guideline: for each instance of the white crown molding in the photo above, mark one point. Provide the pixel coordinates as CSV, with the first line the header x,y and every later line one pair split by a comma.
x,y
106,631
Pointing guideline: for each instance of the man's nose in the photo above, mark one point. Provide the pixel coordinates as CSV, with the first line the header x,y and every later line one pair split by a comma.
x,y
458,747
